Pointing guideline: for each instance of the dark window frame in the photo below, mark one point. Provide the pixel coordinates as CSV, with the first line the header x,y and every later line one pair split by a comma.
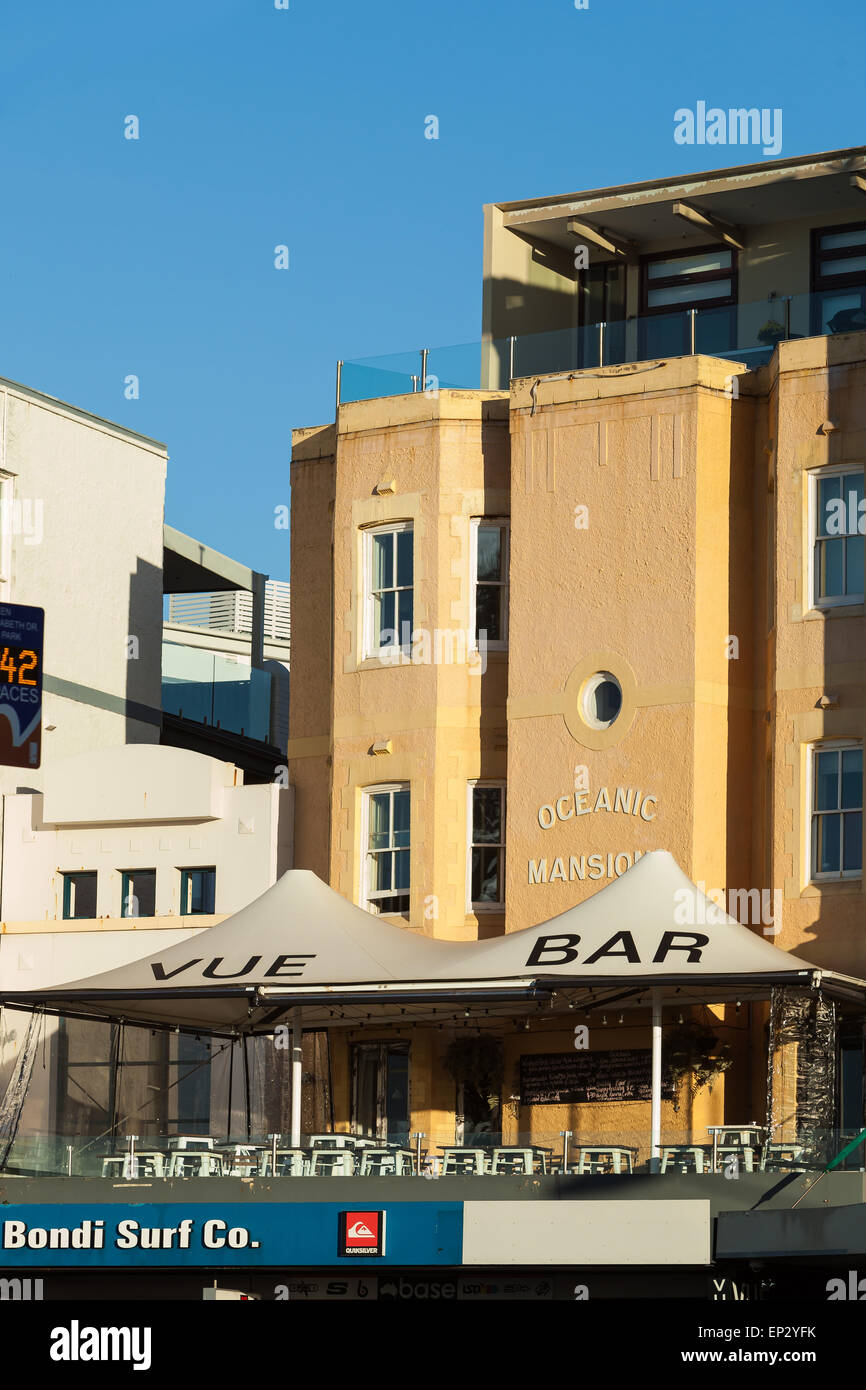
x,y
131,874
840,281
703,278
821,285
185,870
68,875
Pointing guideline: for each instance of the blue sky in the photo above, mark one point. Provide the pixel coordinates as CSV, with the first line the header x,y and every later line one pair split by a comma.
x,y
305,127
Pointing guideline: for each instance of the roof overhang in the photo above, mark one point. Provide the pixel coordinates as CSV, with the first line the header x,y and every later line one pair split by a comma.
x,y
719,205
191,567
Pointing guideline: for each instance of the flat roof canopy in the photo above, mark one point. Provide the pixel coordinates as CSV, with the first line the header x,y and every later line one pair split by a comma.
x,y
303,946
744,196
190,567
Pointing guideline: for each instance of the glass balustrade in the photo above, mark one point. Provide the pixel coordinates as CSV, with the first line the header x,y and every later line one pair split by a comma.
x,y
746,332
219,691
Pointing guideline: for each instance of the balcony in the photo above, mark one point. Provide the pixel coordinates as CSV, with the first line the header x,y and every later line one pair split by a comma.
x,y
220,692
745,332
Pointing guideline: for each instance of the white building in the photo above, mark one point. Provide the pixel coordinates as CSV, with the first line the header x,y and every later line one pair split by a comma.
x,y
145,822
81,535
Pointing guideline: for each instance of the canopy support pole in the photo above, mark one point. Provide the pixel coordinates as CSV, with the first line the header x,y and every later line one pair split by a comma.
x,y
297,1077
656,1105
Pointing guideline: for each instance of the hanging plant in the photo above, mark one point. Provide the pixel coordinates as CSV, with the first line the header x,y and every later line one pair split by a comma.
x,y
694,1054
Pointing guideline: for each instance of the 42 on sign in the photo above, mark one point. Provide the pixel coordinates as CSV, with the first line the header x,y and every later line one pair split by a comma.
x,y
27,660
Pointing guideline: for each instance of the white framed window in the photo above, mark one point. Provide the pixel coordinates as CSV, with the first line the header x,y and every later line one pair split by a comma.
x,y
489,576
388,587
838,530
835,811
386,849
485,860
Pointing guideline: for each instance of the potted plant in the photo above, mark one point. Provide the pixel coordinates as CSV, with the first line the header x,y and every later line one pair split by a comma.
x,y
772,333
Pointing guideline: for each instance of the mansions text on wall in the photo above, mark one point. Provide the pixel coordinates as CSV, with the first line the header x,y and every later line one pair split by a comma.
x,y
628,801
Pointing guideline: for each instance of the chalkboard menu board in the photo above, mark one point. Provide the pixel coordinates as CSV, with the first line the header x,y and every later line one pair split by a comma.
x,y
575,1078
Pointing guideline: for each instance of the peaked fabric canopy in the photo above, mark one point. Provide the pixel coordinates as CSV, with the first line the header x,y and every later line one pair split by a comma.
x,y
303,945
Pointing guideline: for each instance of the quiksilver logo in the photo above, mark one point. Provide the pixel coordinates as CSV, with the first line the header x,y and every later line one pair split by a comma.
x,y
360,1228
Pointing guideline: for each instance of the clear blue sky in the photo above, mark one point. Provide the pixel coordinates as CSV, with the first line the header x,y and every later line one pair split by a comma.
x,y
306,127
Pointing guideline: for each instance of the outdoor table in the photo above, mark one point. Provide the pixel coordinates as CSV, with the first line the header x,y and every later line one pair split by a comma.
x,y
290,1163
190,1141
593,1154
456,1154
387,1159
342,1141
196,1164
754,1137
679,1156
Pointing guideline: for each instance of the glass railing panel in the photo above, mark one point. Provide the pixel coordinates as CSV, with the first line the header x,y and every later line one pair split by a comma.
x,y
443,1151
216,690
746,332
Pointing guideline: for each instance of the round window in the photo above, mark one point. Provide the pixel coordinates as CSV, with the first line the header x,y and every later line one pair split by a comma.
x,y
601,701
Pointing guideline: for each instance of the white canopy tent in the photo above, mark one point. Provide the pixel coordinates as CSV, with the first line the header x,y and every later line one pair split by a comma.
x,y
303,953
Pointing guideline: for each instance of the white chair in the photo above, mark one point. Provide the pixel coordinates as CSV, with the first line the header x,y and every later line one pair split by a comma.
x,y
332,1163
379,1162
463,1161
194,1165
151,1163
777,1157
291,1163
685,1158
744,1157
513,1160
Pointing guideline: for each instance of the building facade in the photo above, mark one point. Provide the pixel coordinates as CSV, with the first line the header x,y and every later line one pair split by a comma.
x,y
616,607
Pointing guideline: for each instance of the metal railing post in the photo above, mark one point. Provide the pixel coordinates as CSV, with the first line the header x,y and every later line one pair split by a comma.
x,y
693,314
69,1152
423,369
565,1135
601,327
339,387
418,1136
787,317
511,342
133,1161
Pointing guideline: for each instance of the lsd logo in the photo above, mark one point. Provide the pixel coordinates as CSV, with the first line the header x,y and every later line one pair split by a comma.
x,y
362,1233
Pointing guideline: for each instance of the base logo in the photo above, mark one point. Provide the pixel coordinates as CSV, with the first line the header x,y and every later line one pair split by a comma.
x,y
361,1233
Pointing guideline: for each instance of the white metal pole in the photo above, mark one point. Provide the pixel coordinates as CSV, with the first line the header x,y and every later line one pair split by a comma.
x,y
297,1078
656,1107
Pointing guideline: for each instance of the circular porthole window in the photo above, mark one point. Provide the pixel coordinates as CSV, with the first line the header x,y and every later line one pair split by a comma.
x,y
601,700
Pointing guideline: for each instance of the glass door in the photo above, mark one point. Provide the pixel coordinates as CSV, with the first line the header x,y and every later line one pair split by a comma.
x,y
380,1100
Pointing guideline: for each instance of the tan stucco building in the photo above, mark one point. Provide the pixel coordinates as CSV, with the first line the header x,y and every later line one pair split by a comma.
x,y
666,555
